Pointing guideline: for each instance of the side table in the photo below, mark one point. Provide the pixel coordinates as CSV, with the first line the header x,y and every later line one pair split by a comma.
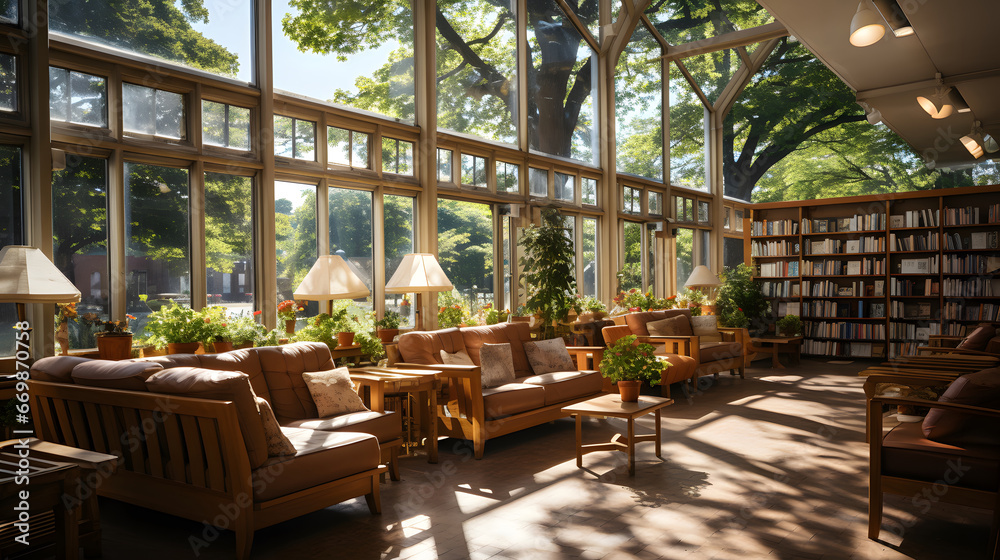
x,y
377,383
612,405
775,345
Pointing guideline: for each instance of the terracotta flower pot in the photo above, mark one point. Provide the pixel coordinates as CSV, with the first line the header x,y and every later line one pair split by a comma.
x,y
152,351
629,390
221,347
111,347
289,326
182,347
386,335
345,339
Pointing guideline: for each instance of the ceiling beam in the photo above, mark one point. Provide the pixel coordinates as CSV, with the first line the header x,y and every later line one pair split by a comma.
x,y
732,40
955,80
580,27
742,78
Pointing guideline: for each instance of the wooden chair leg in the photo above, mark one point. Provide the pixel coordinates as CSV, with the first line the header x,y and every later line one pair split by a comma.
x,y
874,507
665,390
478,444
243,527
373,498
394,463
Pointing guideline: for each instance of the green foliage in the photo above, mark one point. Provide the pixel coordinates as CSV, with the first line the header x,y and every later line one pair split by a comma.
x,y
452,310
548,265
176,324
740,293
244,328
790,325
345,318
588,303
626,361
465,243
390,320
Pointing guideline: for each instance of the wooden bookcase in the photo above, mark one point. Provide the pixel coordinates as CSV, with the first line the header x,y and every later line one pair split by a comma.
x,y
875,276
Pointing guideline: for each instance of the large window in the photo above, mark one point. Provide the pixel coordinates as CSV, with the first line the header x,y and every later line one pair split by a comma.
x,y
80,242
630,274
588,283
687,134
8,82
229,241
350,214
638,107
474,171
151,111
397,156
78,98
11,230
397,225
465,249
684,254
294,234
157,245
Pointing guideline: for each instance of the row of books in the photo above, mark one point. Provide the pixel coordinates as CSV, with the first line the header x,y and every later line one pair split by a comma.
x,y
923,265
778,248
829,267
919,310
924,217
788,308
956,329
897,349
774,227
779,269
787,288
831,288
912,331
844,349
970,264
975,240
859,222
971,287
854,309
970,215
956,311
914,242
923,287
843,329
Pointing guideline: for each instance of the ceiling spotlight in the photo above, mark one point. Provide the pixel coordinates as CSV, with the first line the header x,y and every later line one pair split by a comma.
x,y
973,141
895,17
990,144
867,27
939,104
873,115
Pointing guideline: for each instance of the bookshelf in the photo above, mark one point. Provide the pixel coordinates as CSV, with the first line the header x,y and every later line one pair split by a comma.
x,y
875,276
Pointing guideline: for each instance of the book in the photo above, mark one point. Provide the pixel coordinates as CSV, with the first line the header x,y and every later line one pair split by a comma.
x,y
845,291
853,268
897,221
879,290
852,246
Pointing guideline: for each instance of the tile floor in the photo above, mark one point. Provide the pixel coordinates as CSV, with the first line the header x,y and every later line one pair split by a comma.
x,y
773,466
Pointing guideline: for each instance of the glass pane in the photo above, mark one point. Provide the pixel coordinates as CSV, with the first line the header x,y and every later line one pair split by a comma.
x,y
294,235
473,171
630,276
684,249
138,109
359,150
465,250
405,158
284,141
9,11
444,165
397,225
632,200
210,36
305,140
565,187
687,134
704,246
365,53
8,82
562,86
508,263
655,204
703,212
239,128
338,145
726,218
11,230
678,208
650,258
229,242
508,177
538,182
638,107
157,244
589,281
350,215
732,252
673,18
389,156
739,220
588,190
89,97
169,114
213,123
59,94
477,65
80,242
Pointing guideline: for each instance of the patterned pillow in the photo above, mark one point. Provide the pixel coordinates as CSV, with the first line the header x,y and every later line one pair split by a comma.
x,y
278,444
678,325
333,392
546,356
498,364
706,328
460,358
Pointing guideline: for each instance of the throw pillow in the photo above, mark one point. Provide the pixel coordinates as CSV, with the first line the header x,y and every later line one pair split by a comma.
x,y
678,325
498,364
125,374
333,392
706,327
278,444
546,356
460,358
981,388
979,338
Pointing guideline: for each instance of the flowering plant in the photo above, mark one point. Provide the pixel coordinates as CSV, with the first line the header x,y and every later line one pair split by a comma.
x,y
627,361
588,303
287,310
117,328
67,312
405,301
390,320
736,319
453,310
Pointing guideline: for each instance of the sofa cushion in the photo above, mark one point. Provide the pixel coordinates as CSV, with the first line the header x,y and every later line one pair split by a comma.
x,y
175,360
460,358
333,392
125,374
244,361
512,398
385,426
320,457
562,386
282,368
715,351
637,321
424,347
981,388
278,444
706,328
498,364
907,453
979,338
670,326
546,356
221,386
681,368
515,334
56,369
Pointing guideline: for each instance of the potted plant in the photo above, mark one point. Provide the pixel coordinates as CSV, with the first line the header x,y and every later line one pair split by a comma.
x,y
180,328
286,312
217,330
243,330
739,292
628,364
548,265
789,325
589,308
388,326
66,313
115,343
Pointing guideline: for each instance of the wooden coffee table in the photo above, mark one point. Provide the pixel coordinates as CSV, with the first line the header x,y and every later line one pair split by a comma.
x,y
775,345
611,405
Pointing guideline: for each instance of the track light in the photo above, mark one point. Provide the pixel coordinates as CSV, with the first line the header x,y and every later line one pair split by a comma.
x,y
973,141
955,99
895,17
990,144
939,105
873,115
867,27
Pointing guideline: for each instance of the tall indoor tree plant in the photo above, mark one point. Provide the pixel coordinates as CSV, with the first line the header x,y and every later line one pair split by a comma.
x,y
547,265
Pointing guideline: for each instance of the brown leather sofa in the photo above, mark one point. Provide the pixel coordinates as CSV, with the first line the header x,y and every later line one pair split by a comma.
x,y
470,411
196,457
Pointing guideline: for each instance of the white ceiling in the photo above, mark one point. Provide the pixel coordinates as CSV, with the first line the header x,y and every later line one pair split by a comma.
x,y
957,38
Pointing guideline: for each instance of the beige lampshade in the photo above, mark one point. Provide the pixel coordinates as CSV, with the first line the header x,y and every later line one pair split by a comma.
x,y
419,272
702,276
331,278
28,276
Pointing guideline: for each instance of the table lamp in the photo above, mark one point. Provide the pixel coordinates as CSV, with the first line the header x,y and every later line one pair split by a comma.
x,y
418,273
703,280
331,278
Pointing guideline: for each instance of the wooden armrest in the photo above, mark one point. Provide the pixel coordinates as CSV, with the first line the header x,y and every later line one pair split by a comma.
x,y
63,453
876,379
681,345
977,410
961,351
